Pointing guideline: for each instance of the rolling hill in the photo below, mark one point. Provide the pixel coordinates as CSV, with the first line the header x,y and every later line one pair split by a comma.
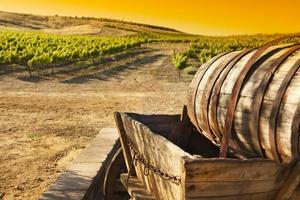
x,y
77,25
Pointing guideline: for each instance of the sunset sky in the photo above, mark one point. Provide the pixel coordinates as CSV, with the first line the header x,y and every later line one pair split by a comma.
x,y
210,17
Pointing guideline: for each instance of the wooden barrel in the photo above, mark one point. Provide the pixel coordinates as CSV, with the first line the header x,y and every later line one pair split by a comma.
x,y
249,101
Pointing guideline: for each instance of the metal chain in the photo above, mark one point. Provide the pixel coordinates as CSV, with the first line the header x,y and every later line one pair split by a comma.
x,y
137,157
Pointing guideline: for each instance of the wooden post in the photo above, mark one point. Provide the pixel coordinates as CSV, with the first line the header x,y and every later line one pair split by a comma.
x,y
126,150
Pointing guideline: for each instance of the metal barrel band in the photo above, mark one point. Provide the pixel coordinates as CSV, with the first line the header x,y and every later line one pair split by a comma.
x,y
217,84
148,167
245,72
276,107
198,84
295,133
259,96
207,93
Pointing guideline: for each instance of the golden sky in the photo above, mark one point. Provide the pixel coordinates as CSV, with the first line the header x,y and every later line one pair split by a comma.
x,y
210,17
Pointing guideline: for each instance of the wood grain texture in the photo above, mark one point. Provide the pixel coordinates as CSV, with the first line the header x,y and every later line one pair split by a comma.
x,y
242,137
201,178
289,188
232,178
296,194
122,134
158,151
135,188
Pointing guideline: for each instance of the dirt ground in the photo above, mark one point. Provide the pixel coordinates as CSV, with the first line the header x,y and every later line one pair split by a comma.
x,y
44,124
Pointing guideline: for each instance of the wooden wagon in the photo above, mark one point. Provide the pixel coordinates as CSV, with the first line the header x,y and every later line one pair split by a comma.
x,y
167,160
238,137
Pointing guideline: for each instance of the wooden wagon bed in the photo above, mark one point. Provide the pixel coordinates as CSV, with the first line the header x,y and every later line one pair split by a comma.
x,y
167,160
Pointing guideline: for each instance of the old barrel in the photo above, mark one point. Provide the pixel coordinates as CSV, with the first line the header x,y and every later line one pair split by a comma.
x,y
249,101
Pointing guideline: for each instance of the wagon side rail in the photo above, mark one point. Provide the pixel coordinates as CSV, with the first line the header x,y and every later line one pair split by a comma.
x,y
156,160
233,178
291,187
125,147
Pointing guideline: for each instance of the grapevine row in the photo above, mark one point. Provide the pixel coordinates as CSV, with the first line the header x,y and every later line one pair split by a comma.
x,y
36,50
206,47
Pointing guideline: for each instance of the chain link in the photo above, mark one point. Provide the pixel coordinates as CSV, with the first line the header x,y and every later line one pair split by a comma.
x,y
137,157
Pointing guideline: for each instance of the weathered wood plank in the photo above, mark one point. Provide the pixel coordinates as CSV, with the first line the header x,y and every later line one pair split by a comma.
x,y
255,196
233,170
223,188
135,188
122,133
284,130
296,194
204,87
158,151
192,92
232,178
290,185
201,178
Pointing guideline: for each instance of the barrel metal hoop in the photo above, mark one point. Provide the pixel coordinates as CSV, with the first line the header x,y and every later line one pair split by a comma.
x,y
218,85
207,93
245,72
295,133
198,84
259,98
276,107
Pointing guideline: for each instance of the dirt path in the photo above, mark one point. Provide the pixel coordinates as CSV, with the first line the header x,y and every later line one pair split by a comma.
x,y
44,124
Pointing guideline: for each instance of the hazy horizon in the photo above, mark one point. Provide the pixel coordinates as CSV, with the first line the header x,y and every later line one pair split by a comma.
x,y
204,17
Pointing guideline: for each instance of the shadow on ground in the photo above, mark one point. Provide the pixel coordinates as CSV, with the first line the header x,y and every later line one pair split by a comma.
x,y
116,71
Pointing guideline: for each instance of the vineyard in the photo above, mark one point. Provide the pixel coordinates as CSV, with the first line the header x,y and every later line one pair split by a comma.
x,y
62,78
37,50
206,47
34,50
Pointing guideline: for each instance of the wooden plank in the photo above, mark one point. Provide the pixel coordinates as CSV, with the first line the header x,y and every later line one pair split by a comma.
x,y
126,150
278,76
242,127
223,188
208,178
204,100
192,92
254,196
284,131
296,194
233,170
262,68
159,152
245,105
135,188
141,196
290,185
